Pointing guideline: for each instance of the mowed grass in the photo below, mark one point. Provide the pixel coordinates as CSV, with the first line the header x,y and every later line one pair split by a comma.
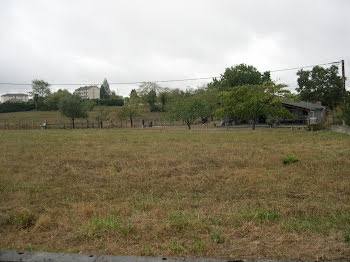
x,y
168,192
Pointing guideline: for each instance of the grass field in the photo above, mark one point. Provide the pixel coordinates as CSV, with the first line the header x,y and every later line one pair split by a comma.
x,y
170,192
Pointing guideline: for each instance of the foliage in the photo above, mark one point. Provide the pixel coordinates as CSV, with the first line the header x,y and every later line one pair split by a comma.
x,y
129,110
289,160
163,99
90,104
209,98
105,92
186,107
113,100
148,92
239,75
346,114
52,100
253,101
321,84
40,88
73,106
16,107
102,115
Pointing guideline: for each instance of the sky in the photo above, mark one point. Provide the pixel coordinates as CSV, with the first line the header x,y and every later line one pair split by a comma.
x,y
83,41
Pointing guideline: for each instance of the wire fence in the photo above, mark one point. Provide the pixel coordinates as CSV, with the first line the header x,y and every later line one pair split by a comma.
x,y
85,124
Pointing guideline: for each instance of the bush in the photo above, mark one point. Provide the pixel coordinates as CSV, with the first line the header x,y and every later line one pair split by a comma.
x,y
8,107
289,160
112,101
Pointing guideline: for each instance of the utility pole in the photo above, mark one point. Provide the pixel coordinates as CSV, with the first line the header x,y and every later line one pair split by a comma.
x,y
343,80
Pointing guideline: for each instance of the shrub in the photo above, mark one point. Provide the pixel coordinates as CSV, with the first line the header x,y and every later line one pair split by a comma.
x,y
289,160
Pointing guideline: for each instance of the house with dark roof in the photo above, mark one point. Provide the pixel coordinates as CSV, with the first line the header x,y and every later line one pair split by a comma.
x,y
14,98
305,112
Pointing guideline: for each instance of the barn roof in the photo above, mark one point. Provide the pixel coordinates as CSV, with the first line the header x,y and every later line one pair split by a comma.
x,y
304,105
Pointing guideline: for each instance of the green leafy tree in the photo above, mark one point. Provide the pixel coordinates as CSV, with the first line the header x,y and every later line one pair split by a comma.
x,y
129,110
321,84
102,115
40,89
209,98
252,101
52,100
73,106
239,75
186,106
105,91
148,92
163,99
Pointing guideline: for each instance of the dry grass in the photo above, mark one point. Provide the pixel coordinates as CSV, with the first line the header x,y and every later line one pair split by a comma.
x,y
179,193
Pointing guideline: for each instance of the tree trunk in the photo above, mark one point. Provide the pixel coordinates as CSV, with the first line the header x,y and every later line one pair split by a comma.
x,y
188,124
131,123
254,121
73,123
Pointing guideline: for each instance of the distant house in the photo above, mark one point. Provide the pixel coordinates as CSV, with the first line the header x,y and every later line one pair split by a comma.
x,y
14,98
305,112
88,92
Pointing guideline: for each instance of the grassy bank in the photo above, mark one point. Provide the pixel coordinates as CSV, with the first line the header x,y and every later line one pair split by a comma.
x,y
179,193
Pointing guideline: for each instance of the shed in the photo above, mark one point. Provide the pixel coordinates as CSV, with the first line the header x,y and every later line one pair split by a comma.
x,y
305,112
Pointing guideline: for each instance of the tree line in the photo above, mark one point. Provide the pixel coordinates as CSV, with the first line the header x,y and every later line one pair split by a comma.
x,y
241,93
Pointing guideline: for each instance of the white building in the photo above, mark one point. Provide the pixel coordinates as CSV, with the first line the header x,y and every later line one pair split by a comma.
x,y
88,92
14,98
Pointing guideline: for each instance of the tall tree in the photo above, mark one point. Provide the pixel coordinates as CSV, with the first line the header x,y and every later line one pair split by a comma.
x,y
73,106
186,107
40,89
129,110
321,84
105,91
239,75
51,101
252,101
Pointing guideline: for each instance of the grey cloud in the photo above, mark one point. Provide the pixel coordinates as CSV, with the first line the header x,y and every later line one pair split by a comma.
x,y
85,41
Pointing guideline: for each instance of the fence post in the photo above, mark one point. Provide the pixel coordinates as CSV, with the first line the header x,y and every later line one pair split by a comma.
x,y
87,123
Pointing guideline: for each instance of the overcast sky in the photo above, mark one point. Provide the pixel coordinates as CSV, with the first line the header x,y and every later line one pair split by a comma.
x,y
71,41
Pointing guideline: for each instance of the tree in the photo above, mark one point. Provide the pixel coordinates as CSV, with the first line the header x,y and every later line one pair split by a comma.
x,y
148,92
73,106
105,92
129,110
40,89
252,101
186,107
102,115
239,75
163,99
52,100
321,84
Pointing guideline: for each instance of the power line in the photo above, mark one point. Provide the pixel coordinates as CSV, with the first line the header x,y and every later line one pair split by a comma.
x,y
301,67
163,81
